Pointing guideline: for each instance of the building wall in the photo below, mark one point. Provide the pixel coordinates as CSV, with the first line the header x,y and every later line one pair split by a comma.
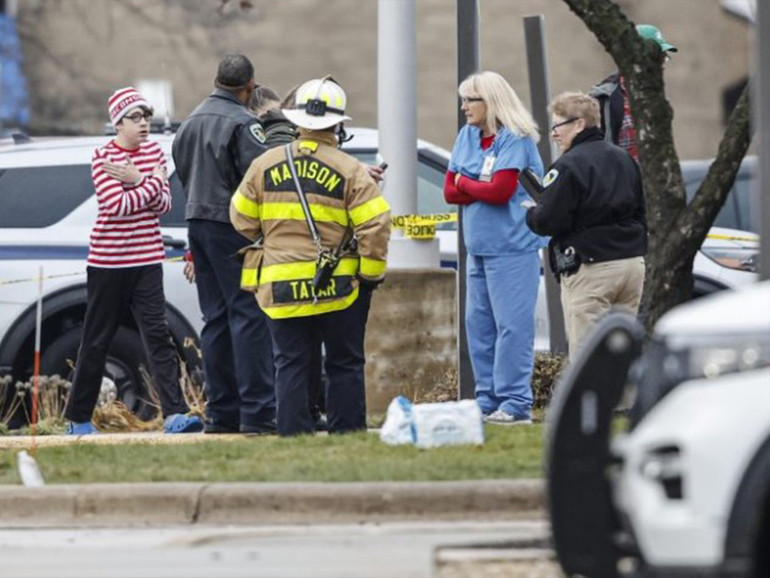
x,y
78,51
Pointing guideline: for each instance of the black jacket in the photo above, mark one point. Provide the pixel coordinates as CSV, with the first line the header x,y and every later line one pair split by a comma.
x,y
279,130
611,104
212,151
593,201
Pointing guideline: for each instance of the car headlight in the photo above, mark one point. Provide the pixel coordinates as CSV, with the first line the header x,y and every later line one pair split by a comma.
x,y
709,360
740,258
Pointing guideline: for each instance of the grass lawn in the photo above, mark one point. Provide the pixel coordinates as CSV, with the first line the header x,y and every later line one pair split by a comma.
x,y
509,452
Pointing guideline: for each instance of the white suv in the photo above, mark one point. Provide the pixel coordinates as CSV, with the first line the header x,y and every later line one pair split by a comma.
x,y
685,490
47,210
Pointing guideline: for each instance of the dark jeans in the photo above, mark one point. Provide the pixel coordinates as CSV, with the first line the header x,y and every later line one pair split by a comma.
x,y
111,292
317,393
296,343
237,349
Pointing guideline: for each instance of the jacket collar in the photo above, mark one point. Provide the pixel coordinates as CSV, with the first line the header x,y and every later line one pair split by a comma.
x,y
321,136
587,135
219,93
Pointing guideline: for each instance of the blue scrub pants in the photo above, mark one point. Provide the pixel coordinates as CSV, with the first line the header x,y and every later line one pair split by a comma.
x,y
500,322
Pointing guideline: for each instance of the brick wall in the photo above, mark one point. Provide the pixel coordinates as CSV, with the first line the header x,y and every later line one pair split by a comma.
x,y
78,51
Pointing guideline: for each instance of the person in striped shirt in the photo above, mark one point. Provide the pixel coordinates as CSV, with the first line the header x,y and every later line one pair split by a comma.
x,y
125,266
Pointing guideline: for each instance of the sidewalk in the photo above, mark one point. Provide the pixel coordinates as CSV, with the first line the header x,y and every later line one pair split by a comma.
x,y
124,504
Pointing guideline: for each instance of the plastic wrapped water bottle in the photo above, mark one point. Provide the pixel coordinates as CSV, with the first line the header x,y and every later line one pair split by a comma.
x,y
429,425
29,472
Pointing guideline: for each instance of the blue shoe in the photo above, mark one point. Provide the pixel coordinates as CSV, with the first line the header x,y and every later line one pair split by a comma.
x,y
181,423
83,428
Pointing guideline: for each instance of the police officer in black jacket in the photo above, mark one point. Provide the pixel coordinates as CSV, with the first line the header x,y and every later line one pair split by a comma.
x,y
593,208
212,151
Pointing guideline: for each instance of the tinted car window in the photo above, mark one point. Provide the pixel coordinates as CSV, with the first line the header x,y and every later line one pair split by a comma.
x,y
41,196
727,217
736,212
742,192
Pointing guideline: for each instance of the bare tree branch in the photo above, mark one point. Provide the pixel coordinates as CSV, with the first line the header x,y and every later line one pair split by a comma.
x,y
676,230
713,191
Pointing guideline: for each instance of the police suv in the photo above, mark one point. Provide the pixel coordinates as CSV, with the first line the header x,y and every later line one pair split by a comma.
x,y
685,489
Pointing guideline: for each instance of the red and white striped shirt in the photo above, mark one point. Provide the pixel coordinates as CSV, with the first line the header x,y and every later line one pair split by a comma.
x,y
127,230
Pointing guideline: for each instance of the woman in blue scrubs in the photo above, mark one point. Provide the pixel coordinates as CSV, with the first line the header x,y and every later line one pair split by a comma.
x,y
503,266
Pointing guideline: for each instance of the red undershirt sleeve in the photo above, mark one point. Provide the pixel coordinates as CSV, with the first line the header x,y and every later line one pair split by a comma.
x,y
496,192
452,194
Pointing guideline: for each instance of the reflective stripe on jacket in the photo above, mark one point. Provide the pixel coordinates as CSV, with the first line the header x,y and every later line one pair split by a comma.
x,y
343,200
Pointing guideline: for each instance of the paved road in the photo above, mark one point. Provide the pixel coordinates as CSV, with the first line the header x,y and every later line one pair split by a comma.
x,y
406,550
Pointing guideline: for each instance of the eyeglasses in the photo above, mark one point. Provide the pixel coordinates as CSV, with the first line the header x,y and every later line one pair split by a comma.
x,y
138,116
467,99
562,123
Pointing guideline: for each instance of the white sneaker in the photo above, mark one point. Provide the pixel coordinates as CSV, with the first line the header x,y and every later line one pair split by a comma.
x,y
500,417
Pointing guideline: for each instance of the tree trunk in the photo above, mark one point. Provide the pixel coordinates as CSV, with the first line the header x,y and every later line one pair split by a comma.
x,y
676,230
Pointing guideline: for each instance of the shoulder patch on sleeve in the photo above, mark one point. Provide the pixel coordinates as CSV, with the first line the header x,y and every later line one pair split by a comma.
x,y
550,177
258,132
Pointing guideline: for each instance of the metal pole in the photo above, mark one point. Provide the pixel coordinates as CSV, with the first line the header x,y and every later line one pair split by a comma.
x,y
468,58
397,123
540,94
397,101
762,118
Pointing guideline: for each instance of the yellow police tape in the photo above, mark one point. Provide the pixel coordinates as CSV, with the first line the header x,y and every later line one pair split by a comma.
x,y
748,237
421,226
57,276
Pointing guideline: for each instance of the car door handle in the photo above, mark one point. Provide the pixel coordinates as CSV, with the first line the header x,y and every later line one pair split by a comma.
x,y
169,241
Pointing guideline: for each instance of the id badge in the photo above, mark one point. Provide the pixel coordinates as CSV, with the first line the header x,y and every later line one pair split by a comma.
x,y
486,170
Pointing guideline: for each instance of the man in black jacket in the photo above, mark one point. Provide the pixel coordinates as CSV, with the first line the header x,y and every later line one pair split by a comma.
x,y
617,122
593,208
212,151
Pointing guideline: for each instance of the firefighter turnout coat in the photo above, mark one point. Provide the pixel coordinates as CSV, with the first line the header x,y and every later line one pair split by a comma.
x,y
343,199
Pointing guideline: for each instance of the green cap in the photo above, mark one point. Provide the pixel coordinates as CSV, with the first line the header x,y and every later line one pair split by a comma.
x,y
651,32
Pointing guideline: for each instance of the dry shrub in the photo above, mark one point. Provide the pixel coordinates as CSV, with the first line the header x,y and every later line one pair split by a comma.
x,y
444,390
547,369
52,393
110,415
544,376
116,417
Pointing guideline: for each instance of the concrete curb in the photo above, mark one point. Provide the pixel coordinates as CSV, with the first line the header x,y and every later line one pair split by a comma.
x,y
267,503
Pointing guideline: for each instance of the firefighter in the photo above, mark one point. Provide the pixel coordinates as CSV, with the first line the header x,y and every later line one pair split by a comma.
x,y
314,268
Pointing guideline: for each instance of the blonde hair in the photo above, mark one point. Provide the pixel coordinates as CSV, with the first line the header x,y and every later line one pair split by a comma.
x,y
576,105
504,108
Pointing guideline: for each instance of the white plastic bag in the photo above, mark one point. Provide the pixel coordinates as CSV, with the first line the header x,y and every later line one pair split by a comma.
x,y
448,423
431,425
398,427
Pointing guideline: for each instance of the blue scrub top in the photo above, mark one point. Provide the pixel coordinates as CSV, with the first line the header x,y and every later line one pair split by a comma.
x,y
497,229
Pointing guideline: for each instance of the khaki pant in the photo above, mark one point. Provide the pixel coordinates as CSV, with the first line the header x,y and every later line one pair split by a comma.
x,y
596,288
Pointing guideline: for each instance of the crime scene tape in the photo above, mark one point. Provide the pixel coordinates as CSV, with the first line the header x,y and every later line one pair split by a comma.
x,y
74,274
421,226
747,237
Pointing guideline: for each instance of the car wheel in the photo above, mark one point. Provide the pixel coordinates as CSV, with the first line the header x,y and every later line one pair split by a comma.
x,y
122,368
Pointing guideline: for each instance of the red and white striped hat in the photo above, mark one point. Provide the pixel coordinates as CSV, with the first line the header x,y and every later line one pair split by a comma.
x,y
123,100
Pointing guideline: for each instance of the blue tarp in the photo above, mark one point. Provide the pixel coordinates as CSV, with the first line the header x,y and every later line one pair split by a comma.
x,y
14,101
